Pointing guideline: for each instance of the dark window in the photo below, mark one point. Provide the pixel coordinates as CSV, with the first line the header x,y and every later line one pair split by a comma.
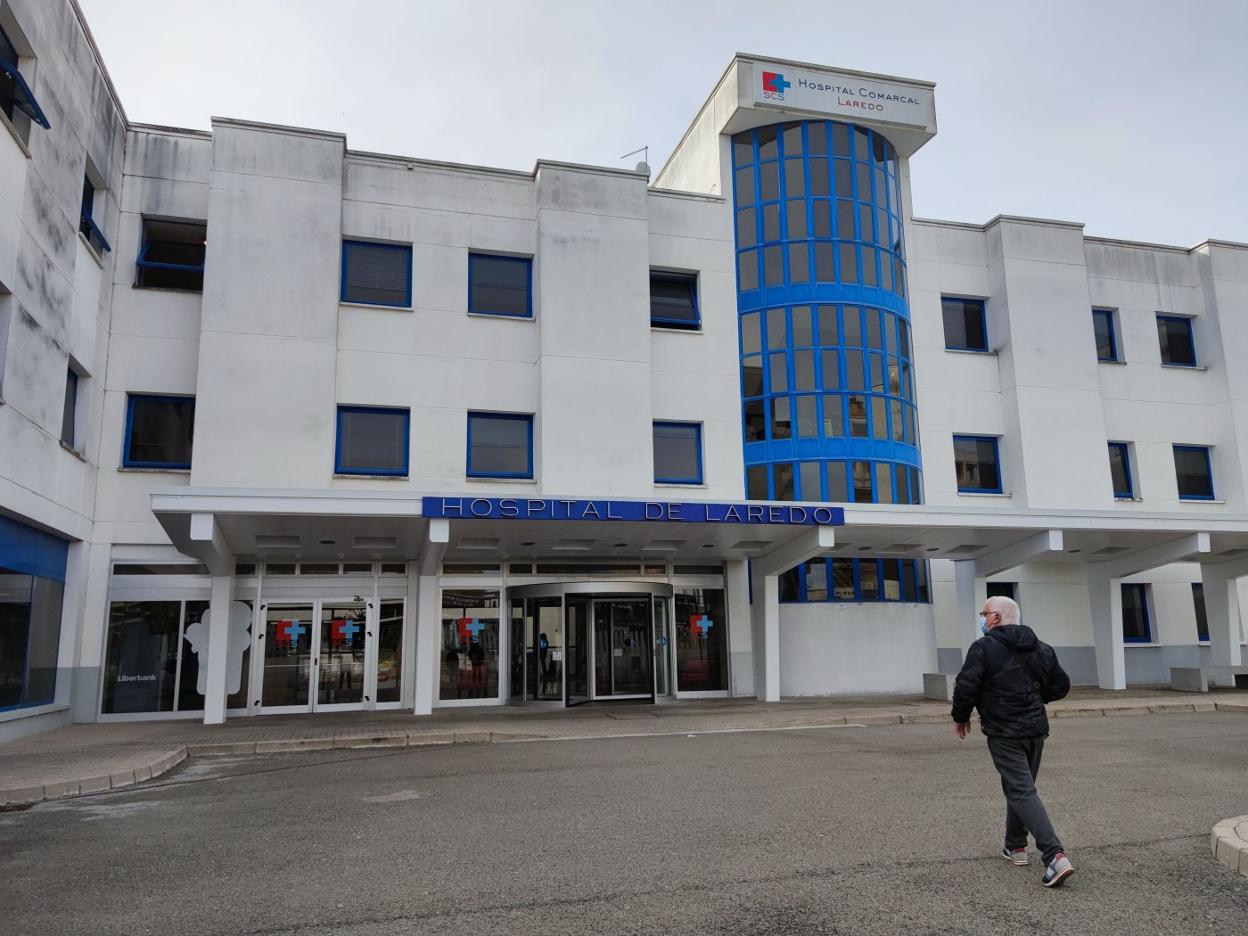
x,y
376,274
1178,347
371,441
500,445
1202,619
977,463
756,482
674,300
701,639
86,222
159,431
1193,472
15,94
500,285
69,412
1002,590
677,453
1135,627
1120,469
32,572
172,255
966,324
1106,338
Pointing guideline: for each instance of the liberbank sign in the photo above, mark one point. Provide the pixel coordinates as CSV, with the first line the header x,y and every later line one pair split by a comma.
x,y
843,95
533,508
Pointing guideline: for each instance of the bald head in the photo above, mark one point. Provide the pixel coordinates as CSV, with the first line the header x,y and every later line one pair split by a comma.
x,y
1004,609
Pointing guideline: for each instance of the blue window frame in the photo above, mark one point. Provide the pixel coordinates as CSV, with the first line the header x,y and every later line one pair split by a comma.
x,y
1178,345
1193,470
69,412
500,285
159,431
372,440
677,453
856,580
966,323
376,274
1120,470
172,255
1106,334
15,93
86,224
674,300
1135,623
500,445
977,461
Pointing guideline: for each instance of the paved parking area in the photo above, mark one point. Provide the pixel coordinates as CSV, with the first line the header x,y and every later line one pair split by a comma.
x,y
843,830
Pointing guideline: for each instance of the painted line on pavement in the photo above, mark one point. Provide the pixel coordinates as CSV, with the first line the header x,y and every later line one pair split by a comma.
x,y
678,734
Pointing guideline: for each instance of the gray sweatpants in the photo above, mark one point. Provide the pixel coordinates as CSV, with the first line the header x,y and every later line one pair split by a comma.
x,y
1018,762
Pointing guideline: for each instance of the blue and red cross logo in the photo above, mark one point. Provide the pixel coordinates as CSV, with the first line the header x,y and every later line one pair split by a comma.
x,y
343,631
469,629
700,626
289,632
774,83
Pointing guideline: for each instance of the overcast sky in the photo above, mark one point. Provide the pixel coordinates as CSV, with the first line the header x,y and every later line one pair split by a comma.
x,y
1127,116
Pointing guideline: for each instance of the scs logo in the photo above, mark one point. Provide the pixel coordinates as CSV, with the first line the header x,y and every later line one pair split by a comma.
x,y
774,86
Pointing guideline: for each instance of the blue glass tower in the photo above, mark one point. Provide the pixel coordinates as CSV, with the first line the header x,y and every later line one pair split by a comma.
x,y
826,367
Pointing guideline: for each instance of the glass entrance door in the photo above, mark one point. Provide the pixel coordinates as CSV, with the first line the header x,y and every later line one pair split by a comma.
x,y
623,648
315,656
578,609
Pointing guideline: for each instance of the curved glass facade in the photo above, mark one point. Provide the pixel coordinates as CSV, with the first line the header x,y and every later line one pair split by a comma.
x,y
826,368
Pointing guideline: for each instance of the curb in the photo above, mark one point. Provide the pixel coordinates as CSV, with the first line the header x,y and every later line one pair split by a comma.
x,y
1230,843
21,797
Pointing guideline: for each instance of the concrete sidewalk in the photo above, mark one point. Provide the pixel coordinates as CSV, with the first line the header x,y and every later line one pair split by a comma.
x,y
91,758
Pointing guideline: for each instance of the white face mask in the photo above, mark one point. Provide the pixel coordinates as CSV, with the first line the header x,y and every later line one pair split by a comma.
x,y
983,625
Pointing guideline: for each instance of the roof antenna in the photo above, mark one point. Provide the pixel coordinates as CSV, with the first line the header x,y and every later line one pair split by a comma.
x,y
642,167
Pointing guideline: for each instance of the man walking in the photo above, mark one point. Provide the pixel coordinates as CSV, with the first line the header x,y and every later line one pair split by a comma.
x,y
1009,675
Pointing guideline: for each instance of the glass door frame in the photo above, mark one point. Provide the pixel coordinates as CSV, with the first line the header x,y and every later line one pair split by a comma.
x,y
314,629
648,643
605,589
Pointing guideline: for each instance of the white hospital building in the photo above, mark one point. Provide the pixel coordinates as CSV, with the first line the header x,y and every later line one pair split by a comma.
x,y
291,427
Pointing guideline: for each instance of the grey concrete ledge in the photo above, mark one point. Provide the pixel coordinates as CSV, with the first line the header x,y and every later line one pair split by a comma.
x,y
1230,843
148,766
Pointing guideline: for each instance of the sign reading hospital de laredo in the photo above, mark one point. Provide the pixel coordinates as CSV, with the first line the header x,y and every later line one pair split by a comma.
x,y
845,95
522,508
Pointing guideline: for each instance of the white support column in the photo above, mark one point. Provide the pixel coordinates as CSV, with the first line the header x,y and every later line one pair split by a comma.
x,y
429,616
1105,598
766,612
218,649
740,627
1221,582
972,591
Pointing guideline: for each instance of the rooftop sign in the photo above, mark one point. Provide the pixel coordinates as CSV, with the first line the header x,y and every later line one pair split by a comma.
x,y
843,95
528,508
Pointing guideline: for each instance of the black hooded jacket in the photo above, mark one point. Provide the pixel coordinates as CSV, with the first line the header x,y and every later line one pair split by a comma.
x,y
1009,675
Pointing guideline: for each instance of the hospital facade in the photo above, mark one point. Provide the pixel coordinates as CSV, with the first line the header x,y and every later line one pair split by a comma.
x,y
291,427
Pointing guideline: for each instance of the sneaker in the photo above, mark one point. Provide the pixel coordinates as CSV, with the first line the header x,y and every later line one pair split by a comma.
x,y
1059,870
1015,856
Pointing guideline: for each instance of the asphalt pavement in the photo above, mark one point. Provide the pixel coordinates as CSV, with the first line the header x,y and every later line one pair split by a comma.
x,y
880,830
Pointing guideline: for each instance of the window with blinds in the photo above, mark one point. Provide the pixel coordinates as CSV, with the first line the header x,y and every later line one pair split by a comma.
x,y
372,441
377,274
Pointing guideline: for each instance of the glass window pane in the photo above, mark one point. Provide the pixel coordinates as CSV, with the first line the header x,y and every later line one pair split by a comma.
x,y
756,482
819,178
795,218
1191,466
845,219
809,474
869,579
743,149
892,580
874,335
855,376
816,578
799,263
861,472
771,223
377,274
816,139
701,639
869,276
752,376
678,452
964,324
1202,616
141,657
851,321
160,431
773,266
777,331
838,489
779,372
840,139
372,441
858,417
1177,344
769,181
975,462
499,285
751,339
469,652
807,417
16,600
390,651
499,445
833,416
781,418
879,417
674,298
828,331
747,233
1120,469
792,139
1135,625
755,422
844,181
747,269
767,147
803,370
784,483
843,579
898,429
825,262
1103,328
745,186
821,211
803,331
794,178
831,370
41,641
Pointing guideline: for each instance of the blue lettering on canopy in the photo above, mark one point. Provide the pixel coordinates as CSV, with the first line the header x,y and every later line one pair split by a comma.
x,y
508,508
